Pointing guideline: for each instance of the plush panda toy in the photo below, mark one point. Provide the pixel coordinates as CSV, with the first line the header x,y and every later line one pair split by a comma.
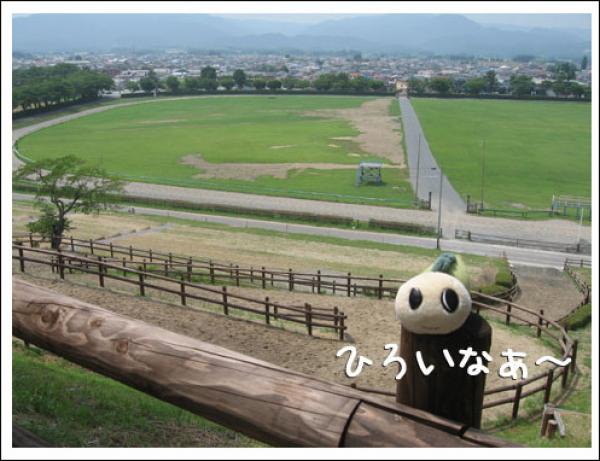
x,y
435,302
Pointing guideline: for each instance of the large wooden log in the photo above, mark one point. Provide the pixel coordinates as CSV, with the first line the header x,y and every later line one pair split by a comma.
x,y
278,406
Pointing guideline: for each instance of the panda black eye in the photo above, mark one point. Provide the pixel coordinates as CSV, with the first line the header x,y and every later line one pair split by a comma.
x,y
449,300
415,298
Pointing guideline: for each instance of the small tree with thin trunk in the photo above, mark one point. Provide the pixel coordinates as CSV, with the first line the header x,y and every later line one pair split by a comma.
x,y
66,185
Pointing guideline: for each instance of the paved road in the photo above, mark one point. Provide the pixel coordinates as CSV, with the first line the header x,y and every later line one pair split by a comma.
x,y
428,170
516,256
453,216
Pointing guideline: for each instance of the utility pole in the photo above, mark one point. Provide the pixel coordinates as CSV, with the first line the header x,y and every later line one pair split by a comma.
x,y
439,223
482,168
418,169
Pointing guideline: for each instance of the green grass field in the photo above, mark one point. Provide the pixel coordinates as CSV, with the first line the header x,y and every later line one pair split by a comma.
x,y
146,142
533,149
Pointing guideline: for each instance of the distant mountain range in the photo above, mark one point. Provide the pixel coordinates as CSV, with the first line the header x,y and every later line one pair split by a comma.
x,y
447,34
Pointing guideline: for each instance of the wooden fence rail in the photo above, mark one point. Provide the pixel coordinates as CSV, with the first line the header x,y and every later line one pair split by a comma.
x,y
310,316
227,273
269,403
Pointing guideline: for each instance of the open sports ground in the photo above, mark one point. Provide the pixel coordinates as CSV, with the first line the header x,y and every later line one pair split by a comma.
x,y
299,146
522,151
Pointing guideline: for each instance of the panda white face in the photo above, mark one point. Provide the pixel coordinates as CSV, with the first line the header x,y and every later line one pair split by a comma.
x,y
432,303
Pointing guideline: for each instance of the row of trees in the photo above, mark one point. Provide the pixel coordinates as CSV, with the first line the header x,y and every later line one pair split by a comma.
x,y
41,87
209,81
518,85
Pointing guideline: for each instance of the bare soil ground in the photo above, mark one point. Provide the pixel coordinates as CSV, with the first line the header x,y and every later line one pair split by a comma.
x,y
380,133
251,171
371,325
548,289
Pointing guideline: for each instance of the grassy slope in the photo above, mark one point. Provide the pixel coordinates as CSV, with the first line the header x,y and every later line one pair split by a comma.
x,y
146,142
532,148
69,406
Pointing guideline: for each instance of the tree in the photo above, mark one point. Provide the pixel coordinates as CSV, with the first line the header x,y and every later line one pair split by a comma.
x,y
563,71
377,85
259,84
440,85
227,82
191,84
521,85
491,81
239,76
66,185
132,86
584,62
209,84
173,83
150,82
416,86
274,84
289,83
209,73
475,86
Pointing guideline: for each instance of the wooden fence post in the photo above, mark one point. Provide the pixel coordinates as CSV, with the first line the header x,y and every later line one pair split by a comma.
x,y
21,258
145,267
166,268
318,282
508,309
574,355
517,401
150,254
462,399
548,388
141,276
251,274
211,271
225,306
565,376
130,253
333,286
170,260
124,267
112,253
100,272
312,285
189,270
272,278
308,313
182,291
263,279
237,275
31,239
291,279
342,327
91,246
349,280
540,323
267,315
380,294
61,264
335,318
72,245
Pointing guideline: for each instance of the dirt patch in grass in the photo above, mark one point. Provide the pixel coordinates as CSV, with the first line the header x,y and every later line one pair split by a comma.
x,y
380,133
251,171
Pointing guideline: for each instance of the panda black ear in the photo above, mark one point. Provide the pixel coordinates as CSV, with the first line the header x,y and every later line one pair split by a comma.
x,y
450,300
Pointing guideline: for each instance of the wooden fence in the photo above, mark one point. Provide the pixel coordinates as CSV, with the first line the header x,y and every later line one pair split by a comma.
x,y
264,401
578,262
214,272
583,287
584,248
541,382
63,263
